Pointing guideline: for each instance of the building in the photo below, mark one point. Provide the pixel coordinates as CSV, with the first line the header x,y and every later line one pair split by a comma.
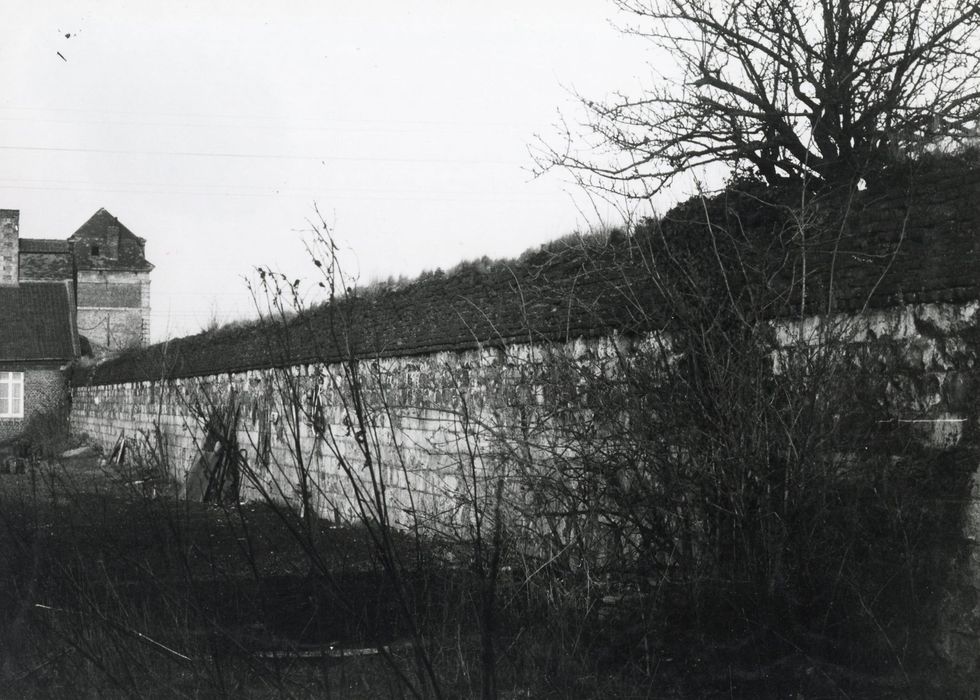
x,y
112,282
61,299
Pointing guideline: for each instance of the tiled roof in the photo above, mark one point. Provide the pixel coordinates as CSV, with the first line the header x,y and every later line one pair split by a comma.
x,y
914,238
36,322
900,249
130,256
43,245
909,240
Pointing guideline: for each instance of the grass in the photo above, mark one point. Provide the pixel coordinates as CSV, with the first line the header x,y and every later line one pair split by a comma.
x,y
112,594
110,591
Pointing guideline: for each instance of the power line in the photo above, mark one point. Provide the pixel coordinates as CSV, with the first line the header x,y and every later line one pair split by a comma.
x,y
381,128
259,156
382,194
262,117
245,189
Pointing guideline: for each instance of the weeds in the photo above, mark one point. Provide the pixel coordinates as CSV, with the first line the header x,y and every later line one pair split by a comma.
x,y
720,508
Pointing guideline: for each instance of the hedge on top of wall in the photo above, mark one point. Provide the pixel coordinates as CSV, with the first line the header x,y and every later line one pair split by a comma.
x,y
910,238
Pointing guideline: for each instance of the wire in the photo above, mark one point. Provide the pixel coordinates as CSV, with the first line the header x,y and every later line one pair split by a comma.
x,y
16,183
382,195
263,117
381,128
259,156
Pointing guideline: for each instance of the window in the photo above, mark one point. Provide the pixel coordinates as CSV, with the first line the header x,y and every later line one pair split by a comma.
x,y
95,250
11,394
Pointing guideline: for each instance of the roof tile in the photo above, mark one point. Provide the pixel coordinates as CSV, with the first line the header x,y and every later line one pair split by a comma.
x,y
892,245
35,322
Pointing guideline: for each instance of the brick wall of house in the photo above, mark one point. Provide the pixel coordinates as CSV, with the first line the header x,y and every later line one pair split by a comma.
x,y
113,309
44,389
145,309
45,267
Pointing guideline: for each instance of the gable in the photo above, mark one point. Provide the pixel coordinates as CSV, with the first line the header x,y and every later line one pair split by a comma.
x,y
104,243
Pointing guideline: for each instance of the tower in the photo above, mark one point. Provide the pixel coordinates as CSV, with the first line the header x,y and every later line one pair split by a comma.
x,y
112,284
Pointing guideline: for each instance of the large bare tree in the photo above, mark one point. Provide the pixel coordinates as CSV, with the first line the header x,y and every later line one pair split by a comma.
x,y
824,90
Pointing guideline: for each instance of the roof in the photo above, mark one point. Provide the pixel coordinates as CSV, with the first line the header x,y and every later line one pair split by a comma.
x,y
911,238
130,256
905,240
43,245
36,318
924,248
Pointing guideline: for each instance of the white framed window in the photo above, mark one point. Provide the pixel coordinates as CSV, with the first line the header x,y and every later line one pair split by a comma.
x,y
11,394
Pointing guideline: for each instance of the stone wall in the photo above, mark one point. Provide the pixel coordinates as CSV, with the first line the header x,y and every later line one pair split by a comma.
x,y
413,403
440,422
412,410
454,368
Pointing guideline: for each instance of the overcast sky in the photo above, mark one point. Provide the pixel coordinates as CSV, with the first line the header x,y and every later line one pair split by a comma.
x,y
211,130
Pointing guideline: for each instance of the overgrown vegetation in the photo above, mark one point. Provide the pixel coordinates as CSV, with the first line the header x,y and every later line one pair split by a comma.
x,y
723,498
110,592
734,491
731,503
44,436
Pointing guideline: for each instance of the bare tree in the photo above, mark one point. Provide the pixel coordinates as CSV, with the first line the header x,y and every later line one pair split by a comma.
x,y
823,90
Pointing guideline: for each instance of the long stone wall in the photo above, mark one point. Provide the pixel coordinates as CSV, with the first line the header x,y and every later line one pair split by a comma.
x,y
426,420
455,391
439,426
420,410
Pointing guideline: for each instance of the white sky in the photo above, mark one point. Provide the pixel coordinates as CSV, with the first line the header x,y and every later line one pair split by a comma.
x,y
210,129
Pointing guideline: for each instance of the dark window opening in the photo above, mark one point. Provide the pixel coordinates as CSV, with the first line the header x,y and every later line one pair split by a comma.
x,y
95,250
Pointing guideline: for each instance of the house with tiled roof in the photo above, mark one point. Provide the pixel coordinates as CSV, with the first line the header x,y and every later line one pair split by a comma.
x,y
61,299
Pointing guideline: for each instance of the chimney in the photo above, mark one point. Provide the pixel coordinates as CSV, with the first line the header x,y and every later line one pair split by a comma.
x,y
9,246
112,242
